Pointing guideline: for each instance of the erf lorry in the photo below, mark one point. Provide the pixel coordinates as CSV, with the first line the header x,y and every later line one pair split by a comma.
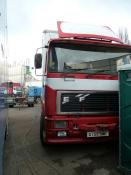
x,y
80,99
12,90
10,99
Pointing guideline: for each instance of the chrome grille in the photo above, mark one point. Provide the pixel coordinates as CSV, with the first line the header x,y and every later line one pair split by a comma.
x,y
87,102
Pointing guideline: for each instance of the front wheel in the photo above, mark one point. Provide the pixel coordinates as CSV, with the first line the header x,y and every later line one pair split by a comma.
x,y
32,105
42,131
28,105
11,106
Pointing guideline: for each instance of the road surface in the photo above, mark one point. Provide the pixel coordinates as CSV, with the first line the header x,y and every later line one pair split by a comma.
x,y
24,154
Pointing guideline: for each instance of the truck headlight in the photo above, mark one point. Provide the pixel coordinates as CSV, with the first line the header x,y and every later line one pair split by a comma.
x,y
60,124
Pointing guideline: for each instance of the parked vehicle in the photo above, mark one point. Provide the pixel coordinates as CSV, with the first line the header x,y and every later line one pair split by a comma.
x,y
13,90
80,99
34,91
10,99
17,89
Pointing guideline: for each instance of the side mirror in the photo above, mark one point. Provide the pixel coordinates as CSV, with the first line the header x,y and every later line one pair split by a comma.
x,y
38,61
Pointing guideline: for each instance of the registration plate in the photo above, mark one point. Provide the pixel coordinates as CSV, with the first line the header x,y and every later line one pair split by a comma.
x,y
98,134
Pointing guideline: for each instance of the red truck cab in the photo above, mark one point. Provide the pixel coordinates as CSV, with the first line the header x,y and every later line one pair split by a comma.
x,y
80,102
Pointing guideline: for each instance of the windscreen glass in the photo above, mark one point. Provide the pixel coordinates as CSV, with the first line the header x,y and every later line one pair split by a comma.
x,y
85,59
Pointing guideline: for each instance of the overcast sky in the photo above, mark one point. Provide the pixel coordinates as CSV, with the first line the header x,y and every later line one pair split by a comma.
x,y
28,18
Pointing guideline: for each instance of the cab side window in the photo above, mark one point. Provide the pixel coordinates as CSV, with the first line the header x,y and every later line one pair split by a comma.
x,y
53,63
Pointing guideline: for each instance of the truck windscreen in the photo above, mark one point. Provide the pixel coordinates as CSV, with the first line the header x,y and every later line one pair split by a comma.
x,y
74,58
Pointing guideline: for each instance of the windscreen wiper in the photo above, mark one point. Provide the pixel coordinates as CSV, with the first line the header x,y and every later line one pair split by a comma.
x,y
105,71
93,71
78,69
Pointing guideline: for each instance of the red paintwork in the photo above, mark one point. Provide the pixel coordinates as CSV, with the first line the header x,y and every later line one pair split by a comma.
x,y
50,101
82,76
85,122
91,42
10,89
16,85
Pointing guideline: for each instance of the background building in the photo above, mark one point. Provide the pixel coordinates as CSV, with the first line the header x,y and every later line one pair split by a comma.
x,y
21,73
17,72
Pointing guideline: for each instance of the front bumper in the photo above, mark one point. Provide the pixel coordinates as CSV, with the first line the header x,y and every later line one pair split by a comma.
x,y
77,129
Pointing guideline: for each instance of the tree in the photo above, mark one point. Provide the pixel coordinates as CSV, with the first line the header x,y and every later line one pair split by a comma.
x,y
123,35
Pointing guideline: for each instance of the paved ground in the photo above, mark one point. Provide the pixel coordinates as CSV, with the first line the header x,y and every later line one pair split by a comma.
x,y
24,154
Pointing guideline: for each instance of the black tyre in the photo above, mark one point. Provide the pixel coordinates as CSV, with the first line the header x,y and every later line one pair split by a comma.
x,y
42,131
28,105
32,105
11,106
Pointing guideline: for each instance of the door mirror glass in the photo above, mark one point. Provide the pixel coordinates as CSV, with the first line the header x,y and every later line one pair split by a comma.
x,y
38,61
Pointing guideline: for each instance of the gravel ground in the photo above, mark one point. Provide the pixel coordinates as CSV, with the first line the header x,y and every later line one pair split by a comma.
x,y
24,154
